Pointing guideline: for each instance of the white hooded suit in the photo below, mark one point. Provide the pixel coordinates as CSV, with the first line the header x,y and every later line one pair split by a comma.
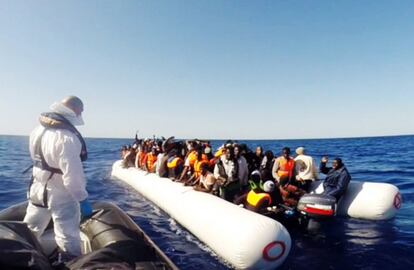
x,y
61,149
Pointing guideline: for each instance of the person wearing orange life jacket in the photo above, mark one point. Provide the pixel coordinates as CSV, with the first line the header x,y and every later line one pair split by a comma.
x,y
198,164
189,161
139,159
150,160
174,165
207,151
284,172
201,158
210,156
284,167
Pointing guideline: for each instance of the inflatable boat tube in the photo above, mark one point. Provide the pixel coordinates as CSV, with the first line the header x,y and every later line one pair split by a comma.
x,y
110,240
19,248
244,239
367,200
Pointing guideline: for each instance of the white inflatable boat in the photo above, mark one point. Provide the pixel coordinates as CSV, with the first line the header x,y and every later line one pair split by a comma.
x,y
243,238
367,200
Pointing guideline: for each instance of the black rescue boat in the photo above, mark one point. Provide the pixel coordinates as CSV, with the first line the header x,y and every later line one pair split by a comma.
x,y
110,240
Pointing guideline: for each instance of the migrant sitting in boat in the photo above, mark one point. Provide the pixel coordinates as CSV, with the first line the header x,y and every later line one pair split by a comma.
x,y
306,169
337,178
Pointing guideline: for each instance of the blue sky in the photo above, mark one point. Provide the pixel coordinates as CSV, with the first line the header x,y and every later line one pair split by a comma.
x,y
211,69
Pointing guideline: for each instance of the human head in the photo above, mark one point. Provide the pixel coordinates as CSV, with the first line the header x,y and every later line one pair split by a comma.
x,y
71,107
228,143
229,153
259,151
154,150
207,150
191,145
237,150
199,149
286,152
243,148
123,148
255,176
268,186
300,151
269,155
204,168
337,163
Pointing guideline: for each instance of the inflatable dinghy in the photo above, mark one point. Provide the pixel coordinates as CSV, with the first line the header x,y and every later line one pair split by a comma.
x,y
245,239
366,200
110,240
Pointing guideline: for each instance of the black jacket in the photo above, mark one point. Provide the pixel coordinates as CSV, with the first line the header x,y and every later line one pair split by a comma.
x,y
336,181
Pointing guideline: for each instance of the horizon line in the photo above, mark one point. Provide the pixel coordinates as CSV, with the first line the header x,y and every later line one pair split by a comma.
x,y
221,139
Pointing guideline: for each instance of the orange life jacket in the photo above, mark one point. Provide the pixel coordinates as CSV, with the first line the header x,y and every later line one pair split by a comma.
x,y
151,159
173,163
141,158
192,157
198,163
257,199
286,168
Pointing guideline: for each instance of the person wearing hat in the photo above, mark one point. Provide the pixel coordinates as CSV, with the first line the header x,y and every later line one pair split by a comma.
x,y
58,187
306,169
337,177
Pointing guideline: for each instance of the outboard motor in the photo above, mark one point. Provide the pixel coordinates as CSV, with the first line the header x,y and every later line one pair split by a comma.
x,y
314,208
317,205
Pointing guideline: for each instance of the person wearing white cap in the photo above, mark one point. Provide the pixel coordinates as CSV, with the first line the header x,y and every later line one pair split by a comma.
x,y
306,170
58,186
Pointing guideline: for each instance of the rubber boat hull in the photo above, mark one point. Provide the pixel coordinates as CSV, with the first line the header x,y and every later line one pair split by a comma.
x,y
244,239
111,240
367,200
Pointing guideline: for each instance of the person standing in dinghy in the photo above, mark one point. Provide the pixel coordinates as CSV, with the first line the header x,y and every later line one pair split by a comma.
x,y
58,186
337,178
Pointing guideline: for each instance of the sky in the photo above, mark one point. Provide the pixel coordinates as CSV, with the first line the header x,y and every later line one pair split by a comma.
x,y
211,69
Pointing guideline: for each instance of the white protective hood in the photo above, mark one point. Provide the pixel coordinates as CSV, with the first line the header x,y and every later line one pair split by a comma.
x,y
66,112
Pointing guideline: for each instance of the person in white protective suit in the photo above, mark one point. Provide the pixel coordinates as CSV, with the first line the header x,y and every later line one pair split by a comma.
x,y
58,186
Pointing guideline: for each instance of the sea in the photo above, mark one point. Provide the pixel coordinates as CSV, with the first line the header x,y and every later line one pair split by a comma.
x,y
346,243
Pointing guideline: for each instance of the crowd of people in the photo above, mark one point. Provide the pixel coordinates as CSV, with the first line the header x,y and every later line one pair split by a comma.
x,y
258,179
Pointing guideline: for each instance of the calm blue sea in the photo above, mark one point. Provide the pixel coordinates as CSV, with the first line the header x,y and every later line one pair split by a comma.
x,y
345,244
